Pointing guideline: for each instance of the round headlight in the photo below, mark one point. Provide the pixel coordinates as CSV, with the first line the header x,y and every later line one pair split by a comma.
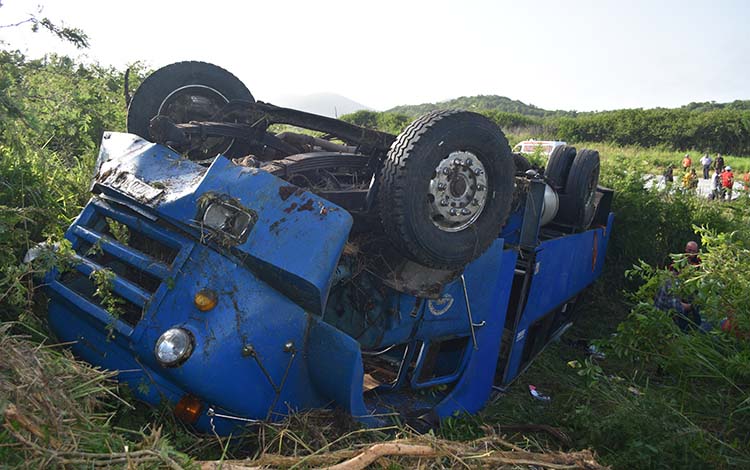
x,y
173,347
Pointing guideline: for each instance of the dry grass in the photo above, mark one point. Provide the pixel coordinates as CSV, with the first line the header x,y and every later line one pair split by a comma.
x,y
55,412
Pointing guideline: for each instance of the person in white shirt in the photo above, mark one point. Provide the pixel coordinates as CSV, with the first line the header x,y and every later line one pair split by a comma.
x,y
706,162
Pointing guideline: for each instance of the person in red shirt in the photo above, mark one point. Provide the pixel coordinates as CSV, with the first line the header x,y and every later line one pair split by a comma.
x,y
727,181
687,162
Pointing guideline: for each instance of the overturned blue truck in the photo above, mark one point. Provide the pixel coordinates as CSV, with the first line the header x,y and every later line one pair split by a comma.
x,y
255,270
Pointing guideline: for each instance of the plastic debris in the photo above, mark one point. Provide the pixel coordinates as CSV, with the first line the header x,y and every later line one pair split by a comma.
x,y
537,395
596,353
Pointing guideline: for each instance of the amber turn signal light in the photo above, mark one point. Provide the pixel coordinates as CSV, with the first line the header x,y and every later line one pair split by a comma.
x,y
188,409
205,300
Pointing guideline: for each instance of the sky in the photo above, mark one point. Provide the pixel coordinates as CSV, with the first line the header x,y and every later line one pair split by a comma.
x,y
580,55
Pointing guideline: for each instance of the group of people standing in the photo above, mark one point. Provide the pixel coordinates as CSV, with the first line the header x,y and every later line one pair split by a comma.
x,y
723,176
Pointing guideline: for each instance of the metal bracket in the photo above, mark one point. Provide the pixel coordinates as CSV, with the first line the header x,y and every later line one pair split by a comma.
x,y
472,325
248,350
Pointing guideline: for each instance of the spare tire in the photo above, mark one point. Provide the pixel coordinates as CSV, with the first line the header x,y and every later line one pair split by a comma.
x,y
184,92
578,204
445,188
558,166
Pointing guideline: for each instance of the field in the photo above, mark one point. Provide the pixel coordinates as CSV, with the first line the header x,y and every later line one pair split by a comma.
x,y
650,397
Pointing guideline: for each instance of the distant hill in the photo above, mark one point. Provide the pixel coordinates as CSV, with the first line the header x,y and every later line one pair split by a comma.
x,y
325,104
481,102
507,105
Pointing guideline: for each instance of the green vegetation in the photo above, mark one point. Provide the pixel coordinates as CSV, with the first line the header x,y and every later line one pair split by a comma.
x,y
481,102
660,399
704,127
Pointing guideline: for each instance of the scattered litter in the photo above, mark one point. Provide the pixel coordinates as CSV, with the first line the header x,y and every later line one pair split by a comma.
x,y
537,395
574,364
596,353
369,383
635,391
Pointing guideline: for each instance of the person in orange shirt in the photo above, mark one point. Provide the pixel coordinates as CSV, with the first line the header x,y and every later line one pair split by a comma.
x,y
727,181
746,180
687,162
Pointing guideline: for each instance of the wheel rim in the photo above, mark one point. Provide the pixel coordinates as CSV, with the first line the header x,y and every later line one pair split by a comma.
x,y
457,192
197,103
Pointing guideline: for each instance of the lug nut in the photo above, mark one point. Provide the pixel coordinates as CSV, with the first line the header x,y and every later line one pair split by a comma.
x,y
469,162
457,162
444,202
453,211
465,211
446,171
480,188
442,186
478,171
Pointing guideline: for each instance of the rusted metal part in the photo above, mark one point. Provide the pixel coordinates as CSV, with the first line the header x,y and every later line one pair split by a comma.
x,y
308,142
265,114
254,119
303,162
307,206
286,191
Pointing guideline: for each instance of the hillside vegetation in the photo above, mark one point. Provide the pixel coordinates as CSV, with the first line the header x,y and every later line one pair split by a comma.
x,y
661,398
705,127
480,102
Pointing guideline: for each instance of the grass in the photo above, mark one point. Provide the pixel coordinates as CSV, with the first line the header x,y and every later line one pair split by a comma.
x,y
669,421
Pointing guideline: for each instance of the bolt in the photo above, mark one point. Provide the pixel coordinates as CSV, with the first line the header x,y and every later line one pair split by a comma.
x,y
478,171
453,211
444,202
469,162
442,186
465,211
446,171
248,350
457,162
289,346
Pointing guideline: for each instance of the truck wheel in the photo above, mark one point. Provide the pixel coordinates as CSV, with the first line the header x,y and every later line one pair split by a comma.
x,y
577,205
558,166
522,163
446,187
184,92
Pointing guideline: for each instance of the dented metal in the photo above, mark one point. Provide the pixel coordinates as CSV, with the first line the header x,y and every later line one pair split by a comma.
x,y
308,313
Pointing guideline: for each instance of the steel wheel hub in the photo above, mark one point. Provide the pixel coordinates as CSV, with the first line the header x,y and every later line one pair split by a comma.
x,y
458,191
197,103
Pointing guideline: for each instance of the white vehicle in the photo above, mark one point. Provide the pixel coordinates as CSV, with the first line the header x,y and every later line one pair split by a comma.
x,y
531,146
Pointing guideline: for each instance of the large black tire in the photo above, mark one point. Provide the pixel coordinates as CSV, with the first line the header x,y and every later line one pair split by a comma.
x,y
159,91
558,166
578,204
409,173
522,163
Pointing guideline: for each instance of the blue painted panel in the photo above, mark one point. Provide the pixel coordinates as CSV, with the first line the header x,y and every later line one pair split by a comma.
x,y
489,281
298,237
566,266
